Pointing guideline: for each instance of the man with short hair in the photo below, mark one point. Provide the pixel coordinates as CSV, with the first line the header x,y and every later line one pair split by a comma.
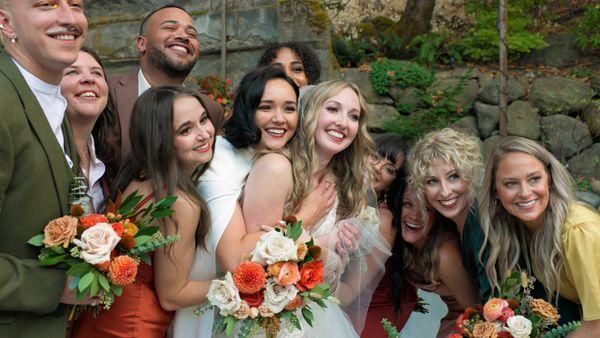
x,y
169,48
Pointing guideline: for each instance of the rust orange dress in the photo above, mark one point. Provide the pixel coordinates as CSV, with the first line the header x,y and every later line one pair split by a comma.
x,y
135,314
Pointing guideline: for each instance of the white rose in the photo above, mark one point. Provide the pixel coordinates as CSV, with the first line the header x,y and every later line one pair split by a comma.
x,y
274,247
97,242
224,295
278,296
519,326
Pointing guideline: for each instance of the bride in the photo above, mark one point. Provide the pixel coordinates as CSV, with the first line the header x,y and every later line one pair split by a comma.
x,y
331,142
265,102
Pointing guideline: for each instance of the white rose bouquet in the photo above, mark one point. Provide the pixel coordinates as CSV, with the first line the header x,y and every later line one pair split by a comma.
x,y
102,251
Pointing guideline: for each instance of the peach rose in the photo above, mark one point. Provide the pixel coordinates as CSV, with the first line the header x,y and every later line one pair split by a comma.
x,y
485,330
288,274
243,312
265,312
253,312
493,308
301,251
60,231
273,269
545,310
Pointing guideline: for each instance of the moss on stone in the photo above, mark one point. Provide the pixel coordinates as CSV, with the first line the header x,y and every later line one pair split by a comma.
x,y
316,15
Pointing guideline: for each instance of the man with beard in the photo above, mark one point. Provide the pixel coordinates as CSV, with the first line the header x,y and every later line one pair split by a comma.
x,y
169,48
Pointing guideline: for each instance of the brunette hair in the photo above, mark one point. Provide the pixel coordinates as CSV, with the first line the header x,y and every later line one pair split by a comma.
x,y
152,156
240,130
310,61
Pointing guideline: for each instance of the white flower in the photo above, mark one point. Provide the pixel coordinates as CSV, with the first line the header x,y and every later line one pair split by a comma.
x,y
224,295
97,242
274,247
519,326
278,296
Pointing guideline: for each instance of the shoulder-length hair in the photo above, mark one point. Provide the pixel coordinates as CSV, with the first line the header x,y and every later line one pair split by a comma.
x,y
505,235
241,130
452,148
153,157
350,166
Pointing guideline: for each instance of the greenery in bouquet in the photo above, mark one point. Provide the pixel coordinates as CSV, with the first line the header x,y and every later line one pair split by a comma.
x,y
218,90
101,252
273,286
515,313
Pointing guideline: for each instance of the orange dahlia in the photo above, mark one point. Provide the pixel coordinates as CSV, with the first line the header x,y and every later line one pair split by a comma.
x,y
249,277
92,220
122,270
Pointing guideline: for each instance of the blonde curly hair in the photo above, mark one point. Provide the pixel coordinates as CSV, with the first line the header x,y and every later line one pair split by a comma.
x,y
453,148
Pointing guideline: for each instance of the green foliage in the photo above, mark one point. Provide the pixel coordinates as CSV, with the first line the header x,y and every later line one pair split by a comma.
x,y
386,73
588,30
390,329
349,52
581,72
582,184
431,49
481,41
563,330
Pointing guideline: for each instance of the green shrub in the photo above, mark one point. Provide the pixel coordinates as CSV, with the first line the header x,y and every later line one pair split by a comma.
x,y
386,73
431,49
481,41
350,52
588,29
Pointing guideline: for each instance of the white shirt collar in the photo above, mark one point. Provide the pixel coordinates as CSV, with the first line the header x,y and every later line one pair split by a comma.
x,y
143,84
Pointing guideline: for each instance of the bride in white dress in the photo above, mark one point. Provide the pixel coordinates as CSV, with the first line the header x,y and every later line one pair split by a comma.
x,y
331,142
264,118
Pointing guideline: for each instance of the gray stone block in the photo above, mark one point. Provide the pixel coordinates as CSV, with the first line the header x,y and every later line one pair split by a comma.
x,y
559,95
587,163
565,136
523,120
487,118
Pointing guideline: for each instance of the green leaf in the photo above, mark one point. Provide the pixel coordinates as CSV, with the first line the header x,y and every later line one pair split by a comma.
x,y
36,240
57,249
146,259
147,231
166,202
162,213
230,322
117,290
294,231
103,282
94,286
308,315
74,282
129,203
310,243
142,239
79,296
85,281
296,322
79,269
320,302
53,260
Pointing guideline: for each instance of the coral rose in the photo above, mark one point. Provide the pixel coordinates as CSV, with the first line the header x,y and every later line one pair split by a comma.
x,y
273,269
301,251
493,308
288,274
249,277
485,330
118,228
60,231
311,275
545,310
253,299
91,220
122,270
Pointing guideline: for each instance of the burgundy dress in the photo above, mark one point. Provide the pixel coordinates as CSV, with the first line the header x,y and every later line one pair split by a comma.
x,y
381,306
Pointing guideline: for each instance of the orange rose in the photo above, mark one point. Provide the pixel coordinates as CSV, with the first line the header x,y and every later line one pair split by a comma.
x,y
485,330
288,274
253,299
118,228
545,310
130,228
60,231
311,274
273,269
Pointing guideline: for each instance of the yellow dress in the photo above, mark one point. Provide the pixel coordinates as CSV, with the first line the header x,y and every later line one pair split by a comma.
x,y
580,278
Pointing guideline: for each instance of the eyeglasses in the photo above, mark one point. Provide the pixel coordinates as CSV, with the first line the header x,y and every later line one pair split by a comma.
x,y
388,168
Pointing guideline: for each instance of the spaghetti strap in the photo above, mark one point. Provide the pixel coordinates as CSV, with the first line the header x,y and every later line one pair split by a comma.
x,y
144,201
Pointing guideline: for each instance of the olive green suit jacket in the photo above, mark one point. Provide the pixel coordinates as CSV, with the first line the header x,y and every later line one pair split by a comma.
x,y
34,182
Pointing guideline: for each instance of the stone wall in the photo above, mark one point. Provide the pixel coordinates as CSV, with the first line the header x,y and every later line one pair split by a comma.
x,y
562,113
251,24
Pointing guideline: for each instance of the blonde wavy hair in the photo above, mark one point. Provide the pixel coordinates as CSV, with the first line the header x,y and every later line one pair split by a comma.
x,y
350,166
453,148
506,237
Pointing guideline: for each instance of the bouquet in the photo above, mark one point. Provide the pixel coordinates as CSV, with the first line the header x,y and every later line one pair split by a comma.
x,y
514,314
280,280
102,251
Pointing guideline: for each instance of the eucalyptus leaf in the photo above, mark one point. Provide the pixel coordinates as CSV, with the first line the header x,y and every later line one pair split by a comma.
x,y
117,290
53,260
94,286
103,282
308,315
36,240
85,281
139,240
74,282
79,269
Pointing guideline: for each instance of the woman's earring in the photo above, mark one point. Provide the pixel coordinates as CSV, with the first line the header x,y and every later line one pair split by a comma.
x,y
1,26
13,38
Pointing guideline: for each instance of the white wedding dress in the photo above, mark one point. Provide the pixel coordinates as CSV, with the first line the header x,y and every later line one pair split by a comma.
x,y
220,186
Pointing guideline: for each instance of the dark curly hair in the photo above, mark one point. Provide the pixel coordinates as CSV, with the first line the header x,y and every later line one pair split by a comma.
x,y
310,61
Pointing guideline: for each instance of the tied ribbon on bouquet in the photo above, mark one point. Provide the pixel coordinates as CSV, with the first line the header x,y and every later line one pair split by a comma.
x,y
280,280
101,252
514,314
